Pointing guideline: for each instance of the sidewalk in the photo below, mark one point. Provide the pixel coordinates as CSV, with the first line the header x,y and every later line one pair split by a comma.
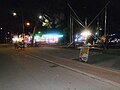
x,y
103,74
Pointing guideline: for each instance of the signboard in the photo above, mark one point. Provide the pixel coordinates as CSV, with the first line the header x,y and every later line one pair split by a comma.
x,y
84,52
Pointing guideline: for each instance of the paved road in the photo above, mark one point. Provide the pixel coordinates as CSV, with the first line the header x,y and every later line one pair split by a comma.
x,y
23,72
53,55
108,59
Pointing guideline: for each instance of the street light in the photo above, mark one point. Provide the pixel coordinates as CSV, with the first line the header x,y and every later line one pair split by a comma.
x,y
39,32
45,19
34,30
44,23
40,17
86,33
14,13
22,17
27,23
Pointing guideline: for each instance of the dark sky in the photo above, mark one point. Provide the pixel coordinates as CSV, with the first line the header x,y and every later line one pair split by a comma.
x,y
83,8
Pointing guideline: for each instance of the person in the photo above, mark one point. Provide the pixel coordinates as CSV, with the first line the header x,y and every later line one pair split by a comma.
x,y
103,42
22,44
16,45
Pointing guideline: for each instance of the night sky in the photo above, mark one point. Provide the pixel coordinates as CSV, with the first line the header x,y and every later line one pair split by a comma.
x,y
33,8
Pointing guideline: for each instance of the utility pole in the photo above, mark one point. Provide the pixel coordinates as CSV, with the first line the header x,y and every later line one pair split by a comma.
x,y
70,26
71,9
33,34
105,28
71,23
98,28
105,7
72,39
22,17
85,22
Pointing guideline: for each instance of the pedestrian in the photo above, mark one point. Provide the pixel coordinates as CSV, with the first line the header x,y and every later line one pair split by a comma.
x,y
16,45
22,44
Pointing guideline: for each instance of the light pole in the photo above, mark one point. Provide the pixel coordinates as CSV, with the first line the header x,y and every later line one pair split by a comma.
x,y
34,29
44,23
15,14
33,34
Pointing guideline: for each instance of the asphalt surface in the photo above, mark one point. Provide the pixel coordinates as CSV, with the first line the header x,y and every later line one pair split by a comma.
x,y
34,69
101,73
101,65
109,58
